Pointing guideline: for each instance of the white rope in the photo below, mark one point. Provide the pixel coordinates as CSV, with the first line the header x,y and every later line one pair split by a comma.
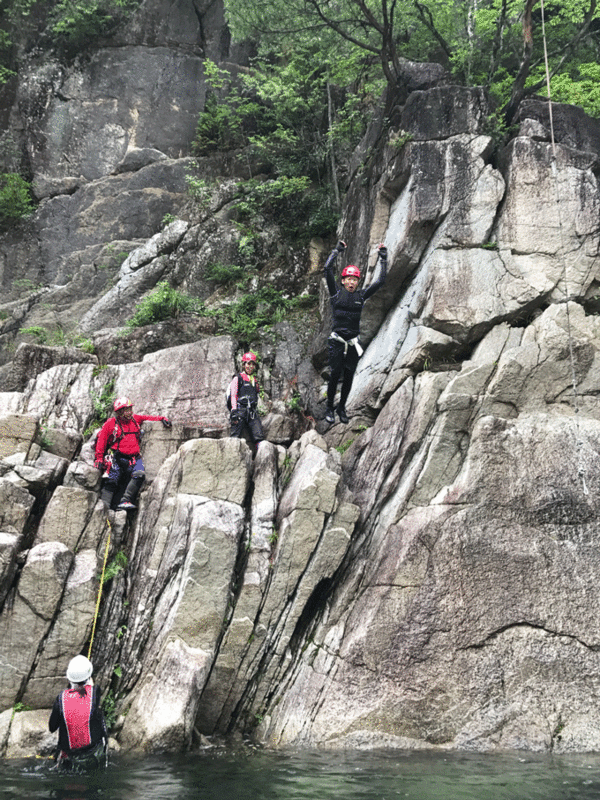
x,y
580,466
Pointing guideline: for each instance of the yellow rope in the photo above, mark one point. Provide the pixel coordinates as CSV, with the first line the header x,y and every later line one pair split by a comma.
x,y
89,655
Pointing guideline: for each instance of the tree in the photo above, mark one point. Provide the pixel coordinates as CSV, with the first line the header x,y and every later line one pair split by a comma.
x,y
494,43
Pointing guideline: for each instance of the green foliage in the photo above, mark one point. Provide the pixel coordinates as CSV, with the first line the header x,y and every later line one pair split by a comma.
x,y
292,118
225,273
102,404
39,333
109,707
113,259
15,198
294,404
481,43
245,317
399,139
74,24
25,286
345,446
118,564
56,337
301,210
582,88
199,190
167,220
163,303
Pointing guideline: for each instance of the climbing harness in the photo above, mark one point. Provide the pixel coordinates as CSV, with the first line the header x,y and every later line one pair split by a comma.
x,y
580,467
353,342
89,655
115,437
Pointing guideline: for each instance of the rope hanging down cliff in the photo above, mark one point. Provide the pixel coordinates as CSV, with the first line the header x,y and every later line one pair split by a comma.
x,y
581,470
89,655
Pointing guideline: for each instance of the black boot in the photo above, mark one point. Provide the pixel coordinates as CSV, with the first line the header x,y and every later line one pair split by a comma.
x,y
341,412
131,492
107,492
330,415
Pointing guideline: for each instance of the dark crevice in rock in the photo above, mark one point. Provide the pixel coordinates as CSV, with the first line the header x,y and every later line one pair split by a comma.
x,y
314,607
490,638
528,313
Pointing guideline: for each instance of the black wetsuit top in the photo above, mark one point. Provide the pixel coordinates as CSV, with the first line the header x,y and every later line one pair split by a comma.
x,y
347,306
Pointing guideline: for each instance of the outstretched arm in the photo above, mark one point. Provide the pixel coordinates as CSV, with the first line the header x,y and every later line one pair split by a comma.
x,y
329,264
372,288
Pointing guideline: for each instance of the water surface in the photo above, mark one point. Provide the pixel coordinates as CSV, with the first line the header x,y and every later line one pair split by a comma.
x,y
254,774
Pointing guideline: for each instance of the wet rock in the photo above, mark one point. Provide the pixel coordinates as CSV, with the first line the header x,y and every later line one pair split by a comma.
x,y
29,735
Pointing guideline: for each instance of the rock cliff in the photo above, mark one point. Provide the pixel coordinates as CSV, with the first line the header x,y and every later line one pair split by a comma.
x,y
423,577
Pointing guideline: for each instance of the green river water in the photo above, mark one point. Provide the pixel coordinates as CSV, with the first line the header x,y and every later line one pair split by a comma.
x,y
253,774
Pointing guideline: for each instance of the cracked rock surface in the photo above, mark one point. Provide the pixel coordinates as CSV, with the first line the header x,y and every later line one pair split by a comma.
x,y
425,576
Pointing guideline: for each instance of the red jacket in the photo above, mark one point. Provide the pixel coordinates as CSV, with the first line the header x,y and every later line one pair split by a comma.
x,y
122,437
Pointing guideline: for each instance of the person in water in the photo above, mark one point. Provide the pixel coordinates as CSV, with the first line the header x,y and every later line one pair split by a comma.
x,y
78,717
121,436
243,394
344,348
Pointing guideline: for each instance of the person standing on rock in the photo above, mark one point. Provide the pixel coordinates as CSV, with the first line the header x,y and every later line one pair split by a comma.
x,y
243,394
118,452
78,717
344,348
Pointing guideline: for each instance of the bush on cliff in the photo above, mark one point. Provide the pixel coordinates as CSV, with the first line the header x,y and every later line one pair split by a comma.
x,y
75,24
15,198
163,303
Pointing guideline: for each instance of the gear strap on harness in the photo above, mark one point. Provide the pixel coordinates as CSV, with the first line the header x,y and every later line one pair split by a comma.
x,y
352,342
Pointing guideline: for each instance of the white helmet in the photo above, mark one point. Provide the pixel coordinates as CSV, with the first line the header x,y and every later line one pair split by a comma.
x,y
79,670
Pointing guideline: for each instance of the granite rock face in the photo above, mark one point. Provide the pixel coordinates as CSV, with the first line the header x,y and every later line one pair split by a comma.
x,y
423,577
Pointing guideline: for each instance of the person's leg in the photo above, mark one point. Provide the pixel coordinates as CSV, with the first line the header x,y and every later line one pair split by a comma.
x,y
109,484
349,369
256,429
237,425
136,481
335,351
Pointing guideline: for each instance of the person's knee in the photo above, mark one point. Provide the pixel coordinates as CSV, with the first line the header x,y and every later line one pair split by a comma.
x,y
138,475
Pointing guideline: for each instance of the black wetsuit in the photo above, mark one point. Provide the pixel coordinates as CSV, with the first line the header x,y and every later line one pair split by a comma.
x,y
346,308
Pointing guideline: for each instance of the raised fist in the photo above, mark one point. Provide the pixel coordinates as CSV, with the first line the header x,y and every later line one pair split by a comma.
x,y
340,246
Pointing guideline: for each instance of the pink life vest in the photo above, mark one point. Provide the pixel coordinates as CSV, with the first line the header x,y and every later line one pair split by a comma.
x,y
77,710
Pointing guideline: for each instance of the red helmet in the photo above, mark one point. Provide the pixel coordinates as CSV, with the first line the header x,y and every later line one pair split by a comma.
x,y
122,402
351,272
248,357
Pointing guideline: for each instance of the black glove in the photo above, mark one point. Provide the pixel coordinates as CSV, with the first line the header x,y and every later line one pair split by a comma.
x,y
340,246
234,416
99,465
166,422
382,251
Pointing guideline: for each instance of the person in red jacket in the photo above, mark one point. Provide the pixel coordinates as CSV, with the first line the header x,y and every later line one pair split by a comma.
x,y
77,715
243,395
118,452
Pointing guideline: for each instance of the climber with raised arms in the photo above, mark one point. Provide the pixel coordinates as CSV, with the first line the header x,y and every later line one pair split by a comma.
x,y
118,452
344,348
